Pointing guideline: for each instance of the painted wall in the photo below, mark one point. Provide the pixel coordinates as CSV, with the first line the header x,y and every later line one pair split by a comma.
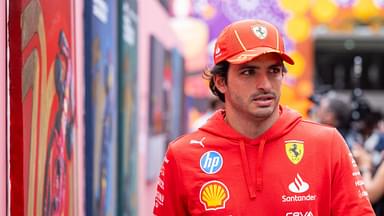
x,y
43,104
111,59
49,92
127,129
101,104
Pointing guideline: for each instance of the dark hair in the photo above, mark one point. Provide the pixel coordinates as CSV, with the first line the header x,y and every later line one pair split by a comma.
x,y
221,70
342,112
215,103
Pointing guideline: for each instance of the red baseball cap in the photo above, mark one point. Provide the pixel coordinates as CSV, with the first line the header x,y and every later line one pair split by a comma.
x,y
245,40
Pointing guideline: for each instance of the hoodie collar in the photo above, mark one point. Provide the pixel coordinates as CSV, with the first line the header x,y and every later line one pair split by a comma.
x,y
287,121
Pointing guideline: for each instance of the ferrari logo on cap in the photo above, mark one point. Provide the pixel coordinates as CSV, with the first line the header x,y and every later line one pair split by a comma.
x,y
260,32
294,150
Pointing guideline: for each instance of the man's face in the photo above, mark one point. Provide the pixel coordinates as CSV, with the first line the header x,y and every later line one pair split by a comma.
x,y
253,88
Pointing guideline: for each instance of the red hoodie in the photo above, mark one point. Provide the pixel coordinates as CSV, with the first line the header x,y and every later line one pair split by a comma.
x,y
295,168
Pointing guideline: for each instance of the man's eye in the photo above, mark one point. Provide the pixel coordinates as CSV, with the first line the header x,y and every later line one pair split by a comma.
x,y
247,72
276,70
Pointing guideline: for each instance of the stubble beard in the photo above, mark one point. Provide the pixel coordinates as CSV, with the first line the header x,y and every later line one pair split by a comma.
x,y
249,110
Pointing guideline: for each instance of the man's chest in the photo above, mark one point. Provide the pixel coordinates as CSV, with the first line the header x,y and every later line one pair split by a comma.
x,y
222,182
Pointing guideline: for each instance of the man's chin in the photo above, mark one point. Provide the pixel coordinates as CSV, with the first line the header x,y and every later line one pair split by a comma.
x,y
263,112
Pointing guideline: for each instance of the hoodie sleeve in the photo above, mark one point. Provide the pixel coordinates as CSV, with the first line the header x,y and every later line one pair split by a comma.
x,y
349,196
168,200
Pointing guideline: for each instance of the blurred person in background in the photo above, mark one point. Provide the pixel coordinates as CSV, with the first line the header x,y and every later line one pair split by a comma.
x,y
374,183
359,125
368,150
335,112
214,104
373,178
380,125
256,157
365,121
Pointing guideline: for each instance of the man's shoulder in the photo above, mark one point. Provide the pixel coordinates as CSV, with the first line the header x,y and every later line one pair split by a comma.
x,y
315,125
309,127
318,136
188,143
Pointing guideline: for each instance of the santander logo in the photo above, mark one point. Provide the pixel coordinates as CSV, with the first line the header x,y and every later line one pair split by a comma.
x,y
299,185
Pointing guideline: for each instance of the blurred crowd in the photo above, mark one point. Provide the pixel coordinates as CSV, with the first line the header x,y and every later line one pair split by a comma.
x,y
362,126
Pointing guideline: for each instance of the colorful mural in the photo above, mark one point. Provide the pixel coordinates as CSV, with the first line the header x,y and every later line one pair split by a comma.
x,y
101,106
166,103
43,90
127,131
158,108
297,22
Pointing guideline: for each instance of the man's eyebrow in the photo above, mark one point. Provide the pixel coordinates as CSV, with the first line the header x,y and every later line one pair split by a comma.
x,y
276,65
251,66
248,66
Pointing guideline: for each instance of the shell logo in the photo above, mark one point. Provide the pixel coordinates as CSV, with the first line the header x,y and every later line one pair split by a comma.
x,y
213,195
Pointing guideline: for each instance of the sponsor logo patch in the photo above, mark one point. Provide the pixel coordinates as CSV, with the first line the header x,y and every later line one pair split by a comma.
x,y
213,195
211,162
199,142
217,51
359,183
260,32
298,186
294,150
307,213
159,199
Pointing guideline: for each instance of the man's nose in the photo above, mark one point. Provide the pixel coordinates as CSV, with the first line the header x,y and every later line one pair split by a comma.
x,y
263,81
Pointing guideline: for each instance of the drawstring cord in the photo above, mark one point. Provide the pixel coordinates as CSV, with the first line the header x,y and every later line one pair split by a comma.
x,y
246,170
259,167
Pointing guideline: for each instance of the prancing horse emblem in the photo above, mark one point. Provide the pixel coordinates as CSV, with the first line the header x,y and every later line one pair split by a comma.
x,y
260,32
294,150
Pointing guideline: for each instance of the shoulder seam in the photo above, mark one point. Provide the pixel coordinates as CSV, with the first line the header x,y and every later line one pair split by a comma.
x,y
316,123
178,138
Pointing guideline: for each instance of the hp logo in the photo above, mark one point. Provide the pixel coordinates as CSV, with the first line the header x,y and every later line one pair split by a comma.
x,y
211,162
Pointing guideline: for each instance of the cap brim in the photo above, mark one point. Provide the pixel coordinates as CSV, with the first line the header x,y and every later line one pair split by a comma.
x,y
248,55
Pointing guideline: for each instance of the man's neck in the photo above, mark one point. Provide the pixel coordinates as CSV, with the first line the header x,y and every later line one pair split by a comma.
x,y
250,126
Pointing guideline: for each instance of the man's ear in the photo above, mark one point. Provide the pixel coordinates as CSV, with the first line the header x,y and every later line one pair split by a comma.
x,y
220,83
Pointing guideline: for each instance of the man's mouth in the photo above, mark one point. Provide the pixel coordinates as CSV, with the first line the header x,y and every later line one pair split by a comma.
x,y
264,100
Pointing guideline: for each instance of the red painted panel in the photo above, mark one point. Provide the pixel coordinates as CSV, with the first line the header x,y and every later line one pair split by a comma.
x,y
43,108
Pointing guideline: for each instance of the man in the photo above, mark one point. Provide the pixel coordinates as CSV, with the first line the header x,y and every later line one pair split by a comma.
x,y
214,104
256,157
333,111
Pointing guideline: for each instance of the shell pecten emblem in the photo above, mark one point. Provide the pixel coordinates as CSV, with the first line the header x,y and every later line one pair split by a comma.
x,y
213,195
